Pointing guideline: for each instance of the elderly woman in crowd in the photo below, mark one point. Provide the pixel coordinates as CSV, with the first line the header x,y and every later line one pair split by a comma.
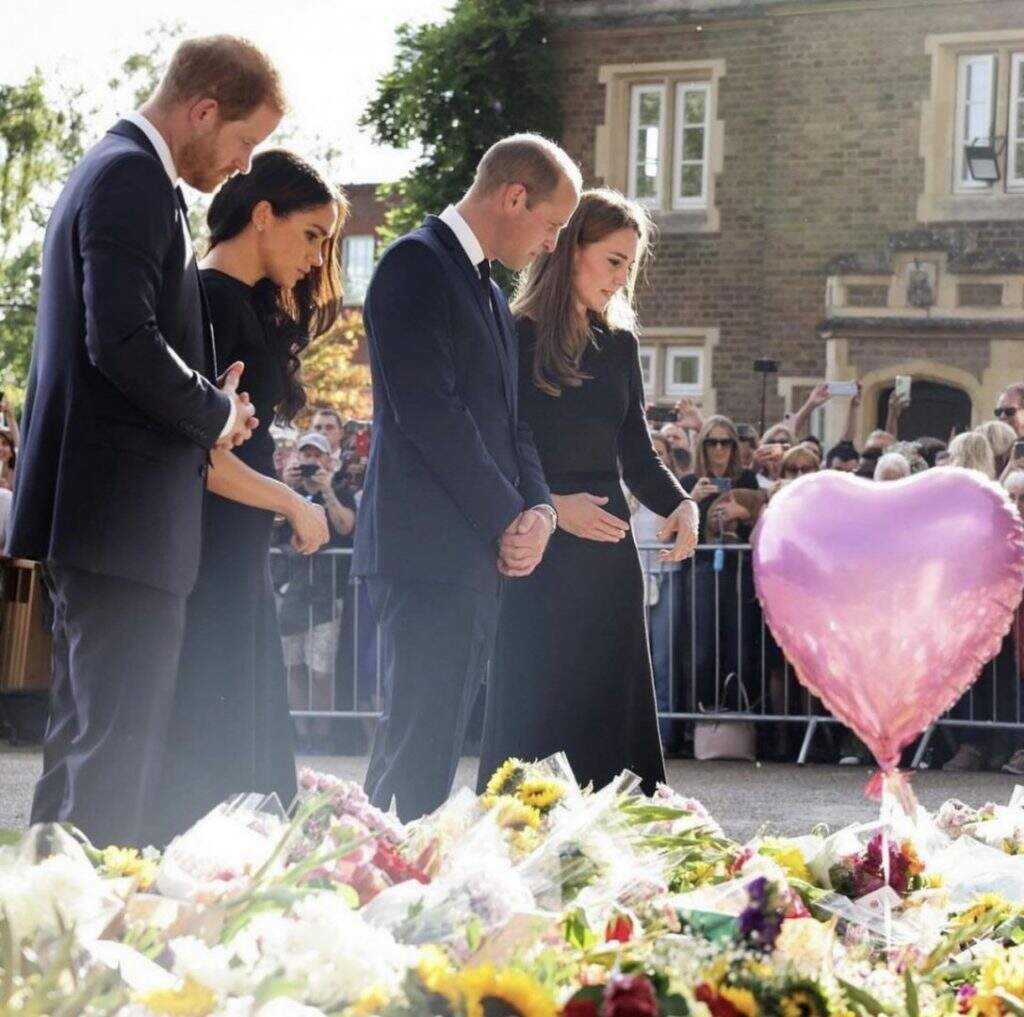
x,y
892,466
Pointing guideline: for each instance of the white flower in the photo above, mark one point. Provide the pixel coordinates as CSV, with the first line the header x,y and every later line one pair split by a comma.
x,y
328,946
60,889
321,944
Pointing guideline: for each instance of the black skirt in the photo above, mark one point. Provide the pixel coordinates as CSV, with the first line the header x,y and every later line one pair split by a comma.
x,y
230,730
572,668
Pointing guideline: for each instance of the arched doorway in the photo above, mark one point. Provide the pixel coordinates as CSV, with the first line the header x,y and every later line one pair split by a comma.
x,y
935,411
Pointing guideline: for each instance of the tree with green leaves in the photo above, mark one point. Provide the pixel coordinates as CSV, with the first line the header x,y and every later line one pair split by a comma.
x,y
456,88
38,145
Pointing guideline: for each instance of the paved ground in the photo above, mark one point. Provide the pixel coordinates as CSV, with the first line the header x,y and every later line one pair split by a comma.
x,y
744,797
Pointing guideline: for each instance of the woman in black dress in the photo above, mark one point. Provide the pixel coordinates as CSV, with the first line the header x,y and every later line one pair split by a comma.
x,y
272,283
572,670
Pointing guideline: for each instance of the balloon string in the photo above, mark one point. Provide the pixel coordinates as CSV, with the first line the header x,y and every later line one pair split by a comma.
x,y
884,815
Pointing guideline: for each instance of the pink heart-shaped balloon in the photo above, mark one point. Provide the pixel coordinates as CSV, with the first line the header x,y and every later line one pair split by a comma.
x,y
888,598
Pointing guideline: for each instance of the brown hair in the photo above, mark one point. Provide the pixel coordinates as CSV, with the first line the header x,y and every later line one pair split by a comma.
x,y
546,295
527,159
797,453
226,68
700,463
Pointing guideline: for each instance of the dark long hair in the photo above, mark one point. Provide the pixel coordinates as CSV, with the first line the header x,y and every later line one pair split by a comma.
x,y
296,316
545,291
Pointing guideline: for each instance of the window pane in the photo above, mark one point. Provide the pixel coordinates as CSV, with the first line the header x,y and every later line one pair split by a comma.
x,y
693,143
650,108
691,180
976,124
357,257
979,81
646,142
694,107
1020,159
684,371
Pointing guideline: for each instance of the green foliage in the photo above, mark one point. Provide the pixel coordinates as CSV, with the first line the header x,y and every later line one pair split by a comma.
x,y
455,89
39,142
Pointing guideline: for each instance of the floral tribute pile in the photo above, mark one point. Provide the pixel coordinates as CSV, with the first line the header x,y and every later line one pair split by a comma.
x,y
535,899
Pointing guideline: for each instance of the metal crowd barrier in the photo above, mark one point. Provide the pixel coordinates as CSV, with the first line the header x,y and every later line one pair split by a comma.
x,y
714,658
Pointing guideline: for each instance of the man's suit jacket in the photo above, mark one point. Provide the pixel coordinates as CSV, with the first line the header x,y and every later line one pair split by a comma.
x,y
450,463
119,414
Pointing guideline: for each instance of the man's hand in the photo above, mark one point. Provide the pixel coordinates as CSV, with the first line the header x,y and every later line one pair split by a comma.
x,y
523,543
582,516
321,480
292,474
245,412
683,525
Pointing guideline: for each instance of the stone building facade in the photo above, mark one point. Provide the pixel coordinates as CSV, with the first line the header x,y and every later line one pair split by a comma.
x,y
805,163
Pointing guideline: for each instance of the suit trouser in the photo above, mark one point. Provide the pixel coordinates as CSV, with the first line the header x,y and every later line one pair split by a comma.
x,y
435,642
115,662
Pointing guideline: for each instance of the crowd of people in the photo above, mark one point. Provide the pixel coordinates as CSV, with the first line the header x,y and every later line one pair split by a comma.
x,y
709,647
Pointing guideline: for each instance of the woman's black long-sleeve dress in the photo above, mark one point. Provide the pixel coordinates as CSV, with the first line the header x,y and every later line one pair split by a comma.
x,y
572,669
230,728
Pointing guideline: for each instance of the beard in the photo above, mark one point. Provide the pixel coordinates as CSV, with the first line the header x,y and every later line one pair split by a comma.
x,y
199,165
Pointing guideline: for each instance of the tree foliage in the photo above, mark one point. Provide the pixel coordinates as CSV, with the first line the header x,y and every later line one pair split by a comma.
x,y
456,88
38,144
329,374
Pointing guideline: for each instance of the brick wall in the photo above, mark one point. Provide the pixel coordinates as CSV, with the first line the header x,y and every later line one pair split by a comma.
x,y
822,110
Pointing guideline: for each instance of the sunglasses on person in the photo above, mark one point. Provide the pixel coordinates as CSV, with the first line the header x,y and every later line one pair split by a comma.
x,y
798,471
1005,411
719,442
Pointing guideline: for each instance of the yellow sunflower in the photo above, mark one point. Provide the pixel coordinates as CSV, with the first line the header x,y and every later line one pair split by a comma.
x,y
119,861
801,1003
504,781
189,1000
742,999
490,992
541,794
434,970
514,815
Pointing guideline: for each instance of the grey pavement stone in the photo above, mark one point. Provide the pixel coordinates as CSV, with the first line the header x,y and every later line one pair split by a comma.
x,y
745,797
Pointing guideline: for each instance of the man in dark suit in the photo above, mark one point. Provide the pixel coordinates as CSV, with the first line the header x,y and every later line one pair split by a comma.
x,y
120,415
455,497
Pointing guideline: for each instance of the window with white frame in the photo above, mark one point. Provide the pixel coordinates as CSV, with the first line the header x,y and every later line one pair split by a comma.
x,y
668,169
646,129
975,105
684,371
357,255
690,145
1015,136
648,363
